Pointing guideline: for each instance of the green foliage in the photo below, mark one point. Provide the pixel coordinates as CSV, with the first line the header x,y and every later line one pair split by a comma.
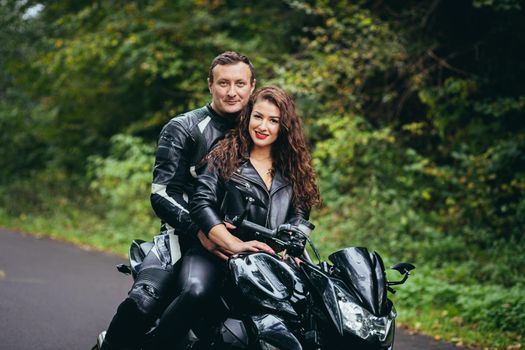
x,y
123,181
501,5
18,46
414,111
98,68
488,175
487,308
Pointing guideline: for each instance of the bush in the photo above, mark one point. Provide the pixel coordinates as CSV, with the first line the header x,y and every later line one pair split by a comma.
x,y
123,180
488,307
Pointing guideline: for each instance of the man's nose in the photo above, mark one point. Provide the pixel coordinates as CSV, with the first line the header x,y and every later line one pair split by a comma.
x,y
232,91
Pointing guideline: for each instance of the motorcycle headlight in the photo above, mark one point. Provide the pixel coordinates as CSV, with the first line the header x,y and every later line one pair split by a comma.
x,y
361,322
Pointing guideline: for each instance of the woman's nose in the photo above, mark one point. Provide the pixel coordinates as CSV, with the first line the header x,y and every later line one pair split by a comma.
x,y
263,125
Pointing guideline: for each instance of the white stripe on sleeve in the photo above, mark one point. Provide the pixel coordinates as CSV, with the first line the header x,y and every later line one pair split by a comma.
x,y
161,191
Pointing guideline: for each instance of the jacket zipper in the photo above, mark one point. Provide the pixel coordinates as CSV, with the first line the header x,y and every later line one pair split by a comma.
x,y
266,191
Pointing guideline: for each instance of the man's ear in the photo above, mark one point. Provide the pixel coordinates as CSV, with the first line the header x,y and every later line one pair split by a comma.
x,y
253,85
209,85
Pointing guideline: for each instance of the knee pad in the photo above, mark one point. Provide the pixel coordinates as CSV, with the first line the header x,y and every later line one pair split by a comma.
x,y
150,291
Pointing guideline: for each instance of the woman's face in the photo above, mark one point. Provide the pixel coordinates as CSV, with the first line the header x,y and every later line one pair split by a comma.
x,y
264,123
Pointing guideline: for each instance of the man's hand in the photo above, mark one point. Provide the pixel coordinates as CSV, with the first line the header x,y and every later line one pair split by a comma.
x,y
212,247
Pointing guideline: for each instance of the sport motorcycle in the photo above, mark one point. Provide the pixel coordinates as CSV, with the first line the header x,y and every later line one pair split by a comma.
x,y
289,302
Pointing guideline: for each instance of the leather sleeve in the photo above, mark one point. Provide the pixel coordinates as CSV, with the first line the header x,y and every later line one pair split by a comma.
x,y
205,203
296,215
166,192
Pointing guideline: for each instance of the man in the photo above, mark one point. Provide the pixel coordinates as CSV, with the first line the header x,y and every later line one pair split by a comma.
x,y
182,144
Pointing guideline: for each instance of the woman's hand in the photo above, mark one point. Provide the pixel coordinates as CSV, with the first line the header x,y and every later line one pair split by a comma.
x,y
220,235
251,246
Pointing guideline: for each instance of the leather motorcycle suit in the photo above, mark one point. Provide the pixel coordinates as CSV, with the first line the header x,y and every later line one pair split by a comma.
x,y
183,143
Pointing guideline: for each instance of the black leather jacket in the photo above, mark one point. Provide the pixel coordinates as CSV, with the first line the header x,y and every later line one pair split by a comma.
x,y
182,144
215,201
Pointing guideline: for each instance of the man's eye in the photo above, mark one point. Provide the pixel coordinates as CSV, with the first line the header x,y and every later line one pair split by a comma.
x,y
241,84
223,83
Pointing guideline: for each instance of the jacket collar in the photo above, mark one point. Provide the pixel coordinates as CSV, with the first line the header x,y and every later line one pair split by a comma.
x,y
248,171
228,122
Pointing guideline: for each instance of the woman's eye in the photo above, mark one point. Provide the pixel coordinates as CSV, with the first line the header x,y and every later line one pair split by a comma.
x,y
274,121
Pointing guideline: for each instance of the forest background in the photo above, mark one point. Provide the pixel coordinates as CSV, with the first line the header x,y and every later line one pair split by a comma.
x,y
414,111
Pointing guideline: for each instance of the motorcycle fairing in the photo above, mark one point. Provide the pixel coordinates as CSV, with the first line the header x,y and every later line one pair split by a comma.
x,y
323,286
234,334
364,274
273,333
266,280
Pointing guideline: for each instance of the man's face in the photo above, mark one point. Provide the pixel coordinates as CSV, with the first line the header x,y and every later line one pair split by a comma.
x,y
231,87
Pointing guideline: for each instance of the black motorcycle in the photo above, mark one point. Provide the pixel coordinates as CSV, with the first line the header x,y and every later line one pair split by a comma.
x,y
271,302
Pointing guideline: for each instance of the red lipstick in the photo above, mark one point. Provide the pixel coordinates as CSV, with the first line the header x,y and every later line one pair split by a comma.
x,y
260,136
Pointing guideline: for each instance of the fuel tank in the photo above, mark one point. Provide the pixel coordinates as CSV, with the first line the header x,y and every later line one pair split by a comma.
x,y
267,281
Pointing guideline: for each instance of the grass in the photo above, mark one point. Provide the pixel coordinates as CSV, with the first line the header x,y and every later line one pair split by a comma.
x,y
91,232
443,325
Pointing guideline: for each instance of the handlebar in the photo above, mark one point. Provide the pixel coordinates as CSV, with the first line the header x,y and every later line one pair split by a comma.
x,y
287,236
293,238
257,229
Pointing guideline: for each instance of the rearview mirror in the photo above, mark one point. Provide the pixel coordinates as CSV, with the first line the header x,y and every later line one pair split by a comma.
x,y
403,267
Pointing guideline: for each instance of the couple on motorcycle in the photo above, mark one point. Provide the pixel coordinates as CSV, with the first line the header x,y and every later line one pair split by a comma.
x,y
250,139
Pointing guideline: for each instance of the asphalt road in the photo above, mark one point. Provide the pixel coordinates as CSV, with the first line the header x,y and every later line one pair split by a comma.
x,y
55,296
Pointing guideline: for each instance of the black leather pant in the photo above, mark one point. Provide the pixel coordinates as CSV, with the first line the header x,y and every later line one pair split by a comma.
x,y
197,294
151,292
188,289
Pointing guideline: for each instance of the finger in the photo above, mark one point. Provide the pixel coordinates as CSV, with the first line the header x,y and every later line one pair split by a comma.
x,y
265,247
226,251
250,246
229,226
220,255
268,248
202,237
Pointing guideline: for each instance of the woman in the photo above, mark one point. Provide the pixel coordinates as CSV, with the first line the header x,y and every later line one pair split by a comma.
x,y
268,155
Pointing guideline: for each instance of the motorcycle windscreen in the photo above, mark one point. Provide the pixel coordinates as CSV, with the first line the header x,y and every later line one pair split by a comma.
x,y
364,273
264,280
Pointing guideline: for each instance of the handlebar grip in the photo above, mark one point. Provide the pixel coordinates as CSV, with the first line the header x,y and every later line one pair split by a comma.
x,y
258,229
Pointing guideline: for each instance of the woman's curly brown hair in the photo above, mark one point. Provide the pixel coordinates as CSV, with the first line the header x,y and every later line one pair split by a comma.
x,y
290,152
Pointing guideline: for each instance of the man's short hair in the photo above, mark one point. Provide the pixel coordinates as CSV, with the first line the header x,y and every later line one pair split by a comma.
x,y
230,57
